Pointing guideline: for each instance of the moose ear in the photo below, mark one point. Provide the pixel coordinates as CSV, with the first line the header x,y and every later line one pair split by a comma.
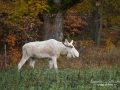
x,y
66,42
71,42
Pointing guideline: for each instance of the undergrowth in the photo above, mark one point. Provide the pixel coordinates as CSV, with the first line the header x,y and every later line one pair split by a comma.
x,y
67,79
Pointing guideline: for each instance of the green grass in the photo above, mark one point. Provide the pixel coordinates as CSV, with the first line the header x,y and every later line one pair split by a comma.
x,y
68,79
86,74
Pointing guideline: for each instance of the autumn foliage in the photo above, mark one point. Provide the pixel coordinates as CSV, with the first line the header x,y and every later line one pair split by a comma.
x,y
20,23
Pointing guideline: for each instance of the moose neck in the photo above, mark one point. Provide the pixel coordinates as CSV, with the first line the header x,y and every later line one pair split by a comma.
x,y
63,49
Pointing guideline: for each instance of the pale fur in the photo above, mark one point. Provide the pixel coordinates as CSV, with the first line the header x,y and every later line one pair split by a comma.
x,y
46,49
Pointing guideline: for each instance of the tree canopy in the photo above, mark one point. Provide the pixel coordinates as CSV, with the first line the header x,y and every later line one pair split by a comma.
x,y
111,10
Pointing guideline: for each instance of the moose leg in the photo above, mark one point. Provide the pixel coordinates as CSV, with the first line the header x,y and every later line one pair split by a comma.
x,y
32,62
50,63
23,60
54,61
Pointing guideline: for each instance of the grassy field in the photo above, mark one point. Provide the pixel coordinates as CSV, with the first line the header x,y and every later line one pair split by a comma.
x,y
67,79
98,70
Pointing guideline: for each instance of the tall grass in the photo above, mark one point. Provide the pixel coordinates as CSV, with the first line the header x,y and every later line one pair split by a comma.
x,y
67,79
99,58
92,57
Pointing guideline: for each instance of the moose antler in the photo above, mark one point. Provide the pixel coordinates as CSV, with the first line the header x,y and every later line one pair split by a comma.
x,y
67,45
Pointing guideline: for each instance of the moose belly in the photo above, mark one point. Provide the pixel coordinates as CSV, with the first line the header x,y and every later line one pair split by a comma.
x,y
38,56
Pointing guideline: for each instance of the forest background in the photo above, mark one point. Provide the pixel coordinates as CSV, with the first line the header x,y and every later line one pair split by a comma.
x,y
22,21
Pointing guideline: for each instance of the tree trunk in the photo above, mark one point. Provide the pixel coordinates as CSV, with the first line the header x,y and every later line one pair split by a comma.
x,y
92,25
58,27
47,28
53,27
97,25
100,31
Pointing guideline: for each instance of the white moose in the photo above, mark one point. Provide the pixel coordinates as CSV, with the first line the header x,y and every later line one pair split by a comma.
x,y
47,49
